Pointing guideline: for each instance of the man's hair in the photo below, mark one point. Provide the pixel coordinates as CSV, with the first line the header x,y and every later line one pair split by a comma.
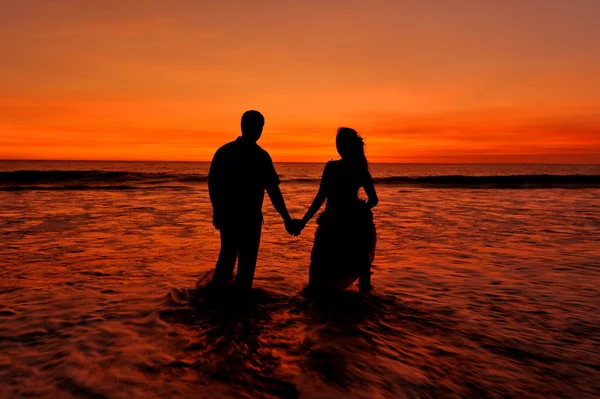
x,y
252,122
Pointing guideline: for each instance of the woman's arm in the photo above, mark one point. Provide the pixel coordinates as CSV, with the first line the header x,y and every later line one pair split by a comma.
x,y
371,193
319,198
316,205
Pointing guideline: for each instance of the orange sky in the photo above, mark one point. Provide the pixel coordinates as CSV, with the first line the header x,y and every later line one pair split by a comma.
x,y
423,81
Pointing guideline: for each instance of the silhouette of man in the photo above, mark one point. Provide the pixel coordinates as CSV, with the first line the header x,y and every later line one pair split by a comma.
x,y
240,173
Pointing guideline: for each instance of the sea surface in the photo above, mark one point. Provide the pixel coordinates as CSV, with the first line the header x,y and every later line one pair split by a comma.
x,y
486,285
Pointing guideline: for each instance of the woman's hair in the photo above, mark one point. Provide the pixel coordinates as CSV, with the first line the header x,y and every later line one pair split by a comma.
x,y
351,147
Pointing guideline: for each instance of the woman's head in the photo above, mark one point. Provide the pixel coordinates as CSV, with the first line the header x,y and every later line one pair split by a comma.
x,y
351,146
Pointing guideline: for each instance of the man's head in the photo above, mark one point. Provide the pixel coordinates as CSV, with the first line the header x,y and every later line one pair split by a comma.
x,y
252,125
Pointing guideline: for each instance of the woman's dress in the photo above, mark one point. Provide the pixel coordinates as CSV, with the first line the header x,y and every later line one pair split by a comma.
x,y
344,245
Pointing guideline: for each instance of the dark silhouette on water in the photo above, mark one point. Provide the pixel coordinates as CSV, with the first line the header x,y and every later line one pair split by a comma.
x,y
239,174
344,245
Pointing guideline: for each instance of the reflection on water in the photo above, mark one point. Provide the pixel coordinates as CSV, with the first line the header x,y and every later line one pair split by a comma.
x,y
478,293
281,346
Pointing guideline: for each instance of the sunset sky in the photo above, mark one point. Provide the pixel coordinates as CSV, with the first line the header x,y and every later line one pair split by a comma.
x,y
423,81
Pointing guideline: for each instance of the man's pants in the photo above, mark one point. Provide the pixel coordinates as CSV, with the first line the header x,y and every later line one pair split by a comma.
x,y
239,242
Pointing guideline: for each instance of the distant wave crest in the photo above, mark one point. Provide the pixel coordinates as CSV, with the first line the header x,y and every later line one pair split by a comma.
x,y
91,179
507,181
24,180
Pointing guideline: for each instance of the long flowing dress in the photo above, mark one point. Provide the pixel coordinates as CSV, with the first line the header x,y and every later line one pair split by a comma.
x,y
344,244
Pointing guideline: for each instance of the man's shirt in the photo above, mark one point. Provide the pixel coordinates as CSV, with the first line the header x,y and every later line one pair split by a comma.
x,y
239,174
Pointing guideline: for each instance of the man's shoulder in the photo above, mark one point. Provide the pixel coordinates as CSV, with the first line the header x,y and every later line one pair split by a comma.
x,y
226,148
262,152
236,147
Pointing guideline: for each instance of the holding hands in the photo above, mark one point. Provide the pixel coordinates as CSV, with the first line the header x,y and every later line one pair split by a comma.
x,y
295,226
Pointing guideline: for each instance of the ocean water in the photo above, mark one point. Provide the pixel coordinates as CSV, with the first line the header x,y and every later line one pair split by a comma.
x,y
486,285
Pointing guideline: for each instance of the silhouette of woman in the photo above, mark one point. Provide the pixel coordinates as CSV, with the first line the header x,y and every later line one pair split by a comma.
x,y
344,245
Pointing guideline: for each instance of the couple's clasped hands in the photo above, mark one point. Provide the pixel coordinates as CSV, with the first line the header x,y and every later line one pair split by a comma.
x,y
295,226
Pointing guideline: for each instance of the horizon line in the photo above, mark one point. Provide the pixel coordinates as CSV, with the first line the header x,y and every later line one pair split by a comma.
x,y
298,162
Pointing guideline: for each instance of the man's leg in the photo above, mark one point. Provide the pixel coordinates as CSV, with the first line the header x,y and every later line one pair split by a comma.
x,y
249,244
227,256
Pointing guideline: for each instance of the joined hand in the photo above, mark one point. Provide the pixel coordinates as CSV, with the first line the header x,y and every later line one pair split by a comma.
x,y
294,227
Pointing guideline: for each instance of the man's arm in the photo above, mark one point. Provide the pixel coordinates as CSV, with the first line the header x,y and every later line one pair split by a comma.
x,y
271,183
278,202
